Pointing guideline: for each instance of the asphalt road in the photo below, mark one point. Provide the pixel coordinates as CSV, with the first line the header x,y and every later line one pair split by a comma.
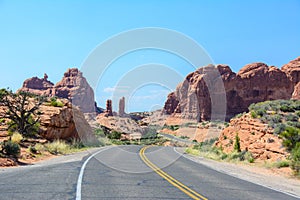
x,y
120,173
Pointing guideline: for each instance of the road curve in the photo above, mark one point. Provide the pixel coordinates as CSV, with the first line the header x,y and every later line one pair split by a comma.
x,y
120,173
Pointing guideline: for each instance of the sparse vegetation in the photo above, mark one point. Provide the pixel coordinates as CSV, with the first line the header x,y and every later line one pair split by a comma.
x,y
22,111
9,149
58,147
237,145
16,138
208,150
56,102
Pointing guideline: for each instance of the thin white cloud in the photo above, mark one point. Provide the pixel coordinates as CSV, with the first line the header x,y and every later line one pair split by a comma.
x,y
122,89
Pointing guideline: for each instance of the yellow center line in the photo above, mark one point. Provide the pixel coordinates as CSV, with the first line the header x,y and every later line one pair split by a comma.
x,y
188,191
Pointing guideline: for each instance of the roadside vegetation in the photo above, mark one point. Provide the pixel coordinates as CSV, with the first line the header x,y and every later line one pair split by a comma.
x,y
282,116
207,149
21,117
113,137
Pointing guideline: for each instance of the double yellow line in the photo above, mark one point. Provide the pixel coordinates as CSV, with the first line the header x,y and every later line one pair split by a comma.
x,y
191,193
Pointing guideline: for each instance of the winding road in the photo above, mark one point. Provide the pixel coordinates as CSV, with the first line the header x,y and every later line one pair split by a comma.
x,y
127,172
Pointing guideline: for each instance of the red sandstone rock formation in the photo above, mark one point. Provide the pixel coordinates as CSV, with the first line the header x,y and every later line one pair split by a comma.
x,y
255,137
39,86
122,107
206,89
73,87
108,111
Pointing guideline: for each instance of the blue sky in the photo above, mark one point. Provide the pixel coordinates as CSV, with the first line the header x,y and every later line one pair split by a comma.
x,y
51,36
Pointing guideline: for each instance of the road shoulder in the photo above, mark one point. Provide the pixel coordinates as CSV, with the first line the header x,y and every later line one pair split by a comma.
x,y
254,174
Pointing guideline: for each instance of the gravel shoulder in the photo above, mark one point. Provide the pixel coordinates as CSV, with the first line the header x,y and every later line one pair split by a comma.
x,y
255,174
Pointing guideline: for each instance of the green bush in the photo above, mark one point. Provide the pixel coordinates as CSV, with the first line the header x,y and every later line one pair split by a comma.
x,y
11,149
279,128
292,118
290,136
237,145
281,164
295,159
99,132
253,114
55,102
114,135
286,108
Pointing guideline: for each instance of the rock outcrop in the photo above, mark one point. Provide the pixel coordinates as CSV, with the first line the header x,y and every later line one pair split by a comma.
x,y
39,86
255,137
73,87
65,123
205,90
122,107
108,111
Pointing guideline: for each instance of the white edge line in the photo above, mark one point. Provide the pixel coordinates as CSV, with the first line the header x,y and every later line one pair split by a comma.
x,y
79,180
223,172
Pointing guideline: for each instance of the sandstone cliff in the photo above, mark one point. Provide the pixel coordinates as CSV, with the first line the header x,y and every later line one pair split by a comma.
x,y
73,87
205,90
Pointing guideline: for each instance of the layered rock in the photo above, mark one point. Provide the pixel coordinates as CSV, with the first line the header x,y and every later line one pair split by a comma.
x,y
65,123
213,89
73,87
39,86
255,137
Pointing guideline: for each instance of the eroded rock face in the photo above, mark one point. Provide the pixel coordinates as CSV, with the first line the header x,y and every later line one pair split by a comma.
x,y
255,137
65,123
214,89
73,87
39,86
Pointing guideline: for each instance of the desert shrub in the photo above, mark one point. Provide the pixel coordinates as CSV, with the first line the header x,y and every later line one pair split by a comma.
x,y
114,135
226,124
184,137
290,136
295,159
237,145
276,118
279,128
11,149
253,114
58,147
283,163
286,108
292,118
149,132
16,138
99,132
294,124
239,115
174,127
55,102
39,147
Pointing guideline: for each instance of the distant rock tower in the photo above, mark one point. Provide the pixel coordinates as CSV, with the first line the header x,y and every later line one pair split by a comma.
x,y
109,108
122,107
